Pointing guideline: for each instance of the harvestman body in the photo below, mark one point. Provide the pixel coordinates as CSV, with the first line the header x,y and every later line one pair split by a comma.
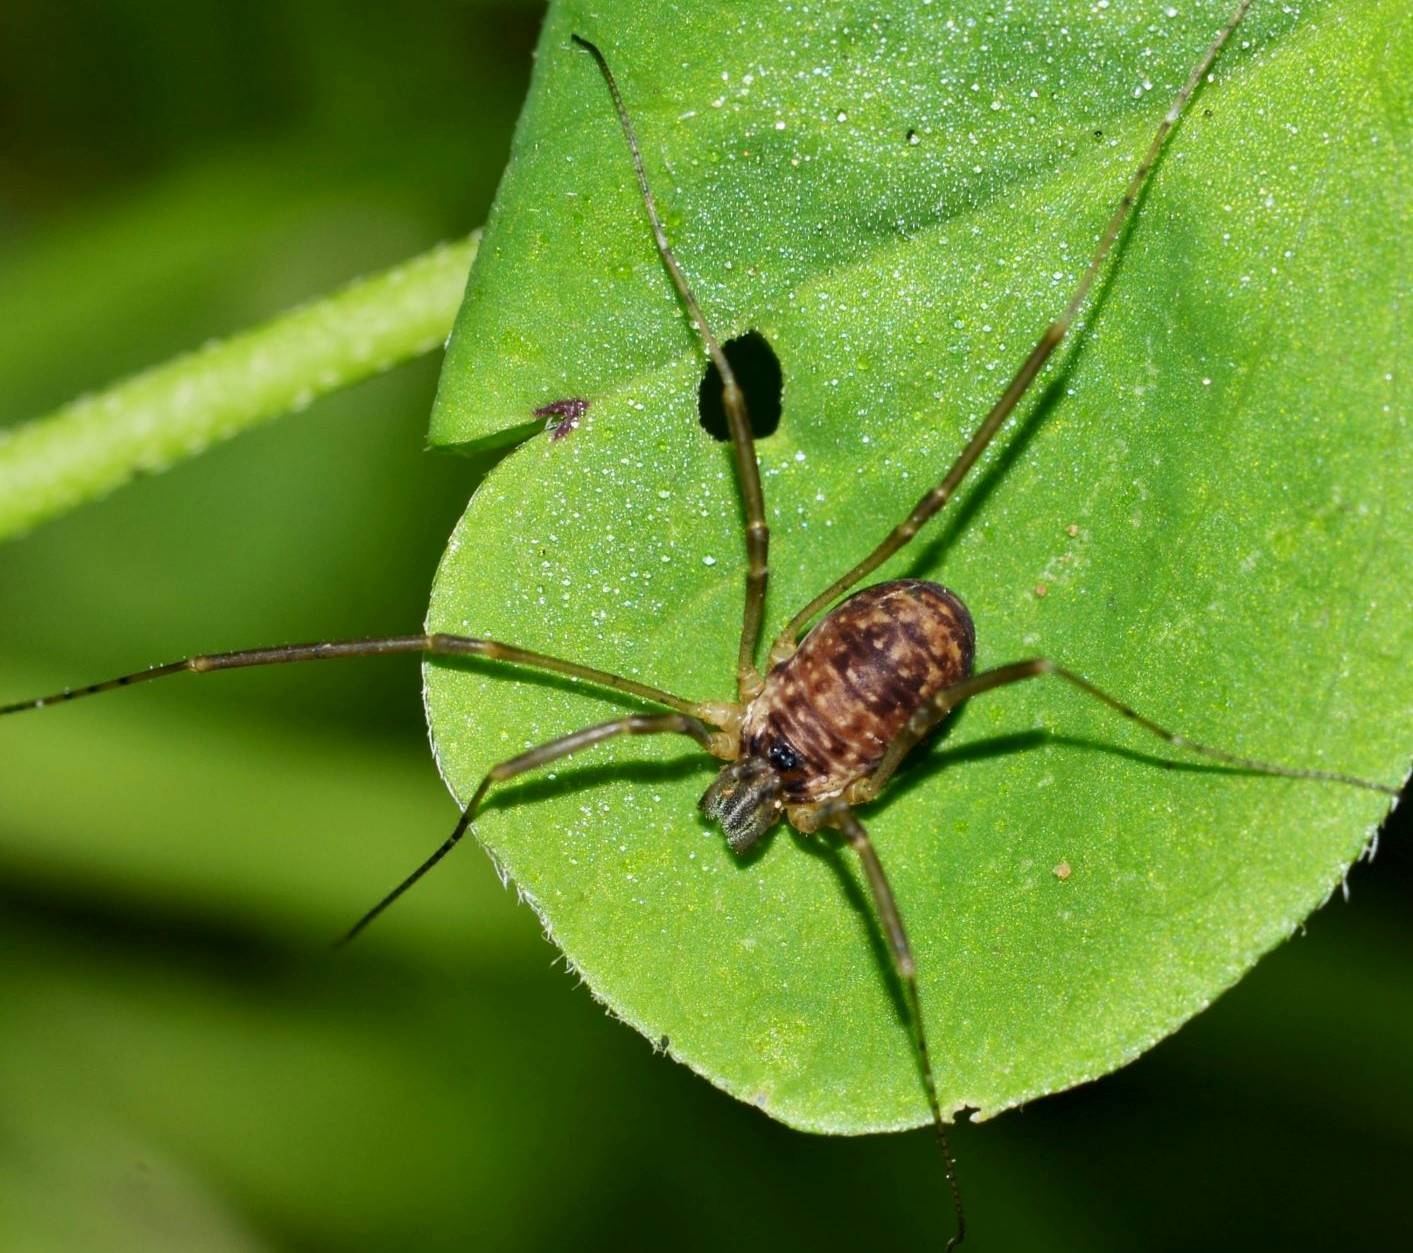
x,y
835,713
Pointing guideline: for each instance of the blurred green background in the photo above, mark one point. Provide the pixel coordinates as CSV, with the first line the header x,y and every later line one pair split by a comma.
x,y
182,1063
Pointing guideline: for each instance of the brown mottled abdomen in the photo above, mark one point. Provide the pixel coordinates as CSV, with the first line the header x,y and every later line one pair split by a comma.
x,y
827,714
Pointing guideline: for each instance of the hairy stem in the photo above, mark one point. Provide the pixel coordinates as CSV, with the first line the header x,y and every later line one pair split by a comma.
x,y
157,418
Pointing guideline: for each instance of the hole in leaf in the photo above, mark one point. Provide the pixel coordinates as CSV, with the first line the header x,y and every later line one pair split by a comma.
x,y
757,370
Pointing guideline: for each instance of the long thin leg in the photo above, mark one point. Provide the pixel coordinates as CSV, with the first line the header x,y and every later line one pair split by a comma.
x,y
732,399
437,645
634,724
906,968
930,714
1054,333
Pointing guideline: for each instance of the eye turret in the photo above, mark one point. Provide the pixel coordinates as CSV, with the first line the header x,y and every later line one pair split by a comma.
x,y
783,757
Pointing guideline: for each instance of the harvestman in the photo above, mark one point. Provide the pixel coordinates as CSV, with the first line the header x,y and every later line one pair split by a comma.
x,y
825,726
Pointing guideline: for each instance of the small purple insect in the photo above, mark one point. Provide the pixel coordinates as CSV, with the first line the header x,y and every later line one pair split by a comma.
x,y
563,416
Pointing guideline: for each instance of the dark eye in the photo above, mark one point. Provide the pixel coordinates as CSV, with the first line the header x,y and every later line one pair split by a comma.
x,y
782,756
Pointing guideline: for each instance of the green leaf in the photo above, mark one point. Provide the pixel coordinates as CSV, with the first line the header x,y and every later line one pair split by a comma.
x,y
1204,509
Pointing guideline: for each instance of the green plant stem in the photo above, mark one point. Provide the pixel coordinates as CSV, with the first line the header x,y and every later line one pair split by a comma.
x,y
151,421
